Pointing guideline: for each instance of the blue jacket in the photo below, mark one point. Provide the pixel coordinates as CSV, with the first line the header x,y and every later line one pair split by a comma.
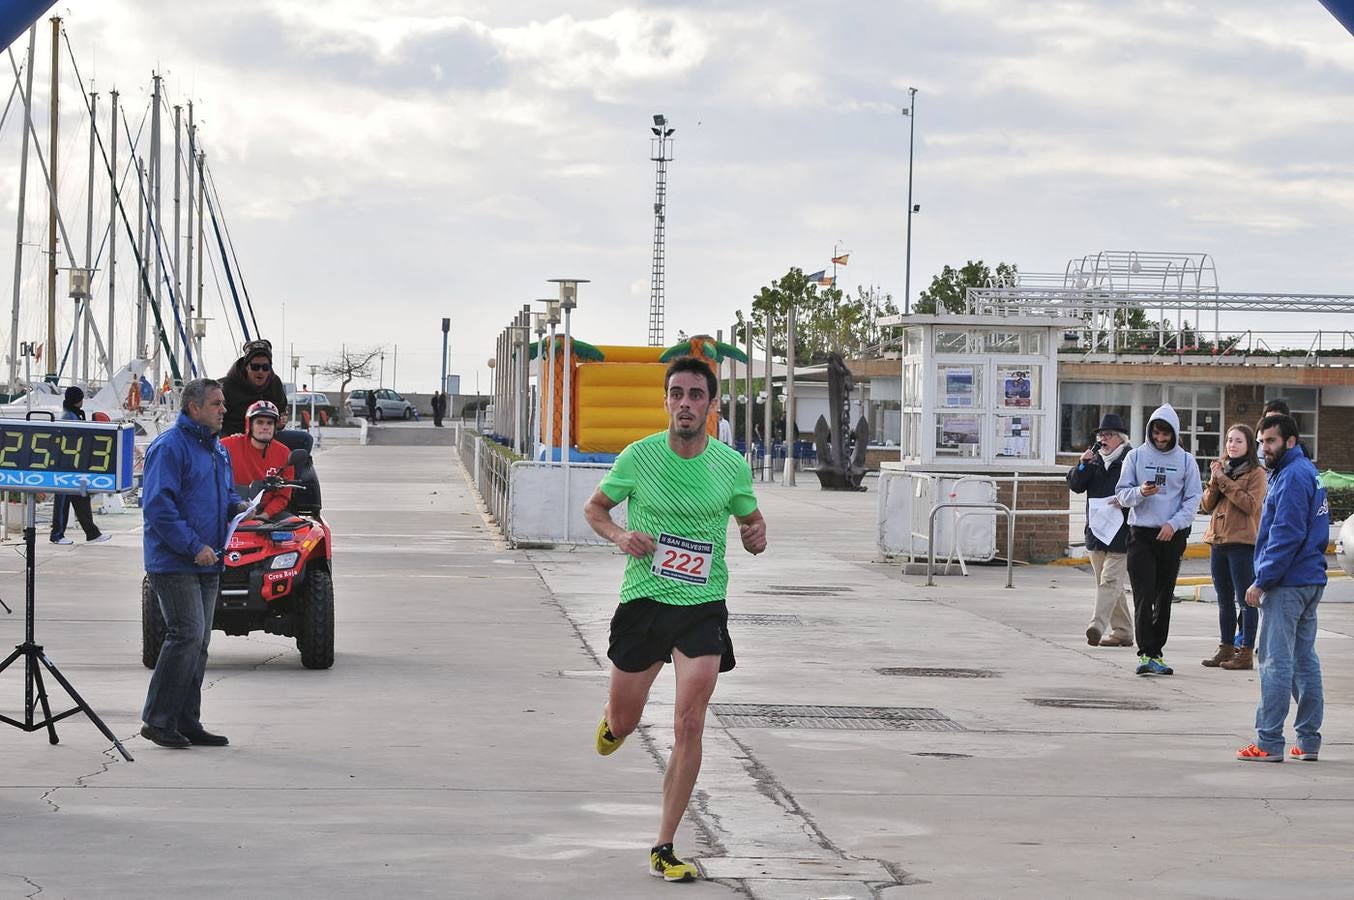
x,y
1290,548
187,494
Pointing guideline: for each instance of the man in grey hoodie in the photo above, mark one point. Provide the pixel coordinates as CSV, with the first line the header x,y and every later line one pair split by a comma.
x,y
1160,486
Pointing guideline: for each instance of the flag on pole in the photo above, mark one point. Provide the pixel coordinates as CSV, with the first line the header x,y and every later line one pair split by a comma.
x,y
817,276
827,280
840,260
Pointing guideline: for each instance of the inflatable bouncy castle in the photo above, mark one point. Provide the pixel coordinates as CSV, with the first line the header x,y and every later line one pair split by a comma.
x,y
616,393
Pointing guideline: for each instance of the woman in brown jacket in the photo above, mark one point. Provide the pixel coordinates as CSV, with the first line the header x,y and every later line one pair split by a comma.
x,y
1235,497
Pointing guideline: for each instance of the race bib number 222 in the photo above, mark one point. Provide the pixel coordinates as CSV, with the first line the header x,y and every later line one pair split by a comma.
x,y
683,559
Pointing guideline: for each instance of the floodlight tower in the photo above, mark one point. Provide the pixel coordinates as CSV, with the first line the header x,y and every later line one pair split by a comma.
x,y
660,151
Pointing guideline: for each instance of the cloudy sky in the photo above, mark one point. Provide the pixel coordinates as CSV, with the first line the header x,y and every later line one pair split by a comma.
x,y
385,164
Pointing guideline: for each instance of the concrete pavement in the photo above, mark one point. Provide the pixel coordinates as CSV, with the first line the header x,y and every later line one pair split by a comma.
x,y
448,752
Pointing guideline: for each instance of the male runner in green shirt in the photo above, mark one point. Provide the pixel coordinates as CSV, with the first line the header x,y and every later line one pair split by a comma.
x,y
681,487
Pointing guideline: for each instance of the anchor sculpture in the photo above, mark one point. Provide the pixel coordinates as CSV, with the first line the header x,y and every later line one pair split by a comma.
x,y
841,451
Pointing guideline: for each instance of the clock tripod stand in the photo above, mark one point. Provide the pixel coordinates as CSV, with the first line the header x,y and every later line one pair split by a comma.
x,y
35,658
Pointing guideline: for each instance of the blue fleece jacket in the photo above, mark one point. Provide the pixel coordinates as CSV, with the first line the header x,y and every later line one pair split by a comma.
x,y
1178,499
1290,548
187,494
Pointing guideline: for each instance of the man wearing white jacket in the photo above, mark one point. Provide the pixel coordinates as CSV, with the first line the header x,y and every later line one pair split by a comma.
x,y
1159,484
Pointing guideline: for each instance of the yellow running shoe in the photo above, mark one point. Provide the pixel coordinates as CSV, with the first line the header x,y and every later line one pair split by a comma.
x,y
664,864
607,744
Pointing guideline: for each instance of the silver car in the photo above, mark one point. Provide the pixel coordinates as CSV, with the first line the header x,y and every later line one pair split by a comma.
x,y
389,405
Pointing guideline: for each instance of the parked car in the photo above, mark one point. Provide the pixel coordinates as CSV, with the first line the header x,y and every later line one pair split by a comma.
x,y
389,405
324,408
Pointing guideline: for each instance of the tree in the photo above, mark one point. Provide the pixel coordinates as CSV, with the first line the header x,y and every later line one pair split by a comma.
x,y
949,289
825,320
349,365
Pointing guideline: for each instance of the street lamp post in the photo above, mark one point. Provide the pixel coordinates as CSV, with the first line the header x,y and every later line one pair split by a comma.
x,y
552,318
314,426
295,364
492,396
568,299
911,113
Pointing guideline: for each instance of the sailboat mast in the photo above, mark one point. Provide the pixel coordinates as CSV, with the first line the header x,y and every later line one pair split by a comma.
x,y
141,349
83,304
113,233
52,351
201,233
178,221
19,231
153,228
188,249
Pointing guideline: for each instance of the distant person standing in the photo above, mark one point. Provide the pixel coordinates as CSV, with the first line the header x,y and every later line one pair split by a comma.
x,y
1234,498
189,496
1096,474
1290,577
371,406
724,431
72,409
439,408
1160,485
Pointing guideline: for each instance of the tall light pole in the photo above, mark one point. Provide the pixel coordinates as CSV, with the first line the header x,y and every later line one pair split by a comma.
x,y
568,299
661,154
552,318
446,330
911,113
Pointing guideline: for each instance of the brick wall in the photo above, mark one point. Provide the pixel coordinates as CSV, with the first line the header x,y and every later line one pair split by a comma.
x,y
1037,538
1335,449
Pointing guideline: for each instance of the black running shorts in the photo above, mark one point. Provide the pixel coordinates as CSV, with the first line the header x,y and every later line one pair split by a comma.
x,y
644,631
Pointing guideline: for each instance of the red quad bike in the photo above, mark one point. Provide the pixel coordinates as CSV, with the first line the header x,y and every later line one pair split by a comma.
x,y
278,577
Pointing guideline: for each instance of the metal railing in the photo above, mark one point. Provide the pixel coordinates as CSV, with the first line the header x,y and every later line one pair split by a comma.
x,y
490,472
995,508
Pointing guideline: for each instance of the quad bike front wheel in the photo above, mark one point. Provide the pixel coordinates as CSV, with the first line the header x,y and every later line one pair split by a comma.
x,y
316,637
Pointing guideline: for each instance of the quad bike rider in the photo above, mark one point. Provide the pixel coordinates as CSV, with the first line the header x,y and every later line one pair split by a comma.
x,y
277,574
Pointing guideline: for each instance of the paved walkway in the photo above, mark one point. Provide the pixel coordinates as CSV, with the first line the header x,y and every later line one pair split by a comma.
x,y
448,752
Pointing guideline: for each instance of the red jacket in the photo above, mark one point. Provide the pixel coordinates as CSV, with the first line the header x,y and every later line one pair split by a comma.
x,y
250,465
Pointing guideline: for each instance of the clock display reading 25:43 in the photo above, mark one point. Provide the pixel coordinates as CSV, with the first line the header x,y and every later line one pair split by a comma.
x,y
66,456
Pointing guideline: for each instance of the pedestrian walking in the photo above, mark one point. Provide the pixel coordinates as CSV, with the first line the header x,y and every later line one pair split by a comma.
x,y
1290,576
72,409
1160,485
681,488
371,407
439,408
1234,500
1096,475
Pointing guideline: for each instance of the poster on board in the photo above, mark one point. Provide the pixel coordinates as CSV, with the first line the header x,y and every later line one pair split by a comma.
x,y
1016,389
958,387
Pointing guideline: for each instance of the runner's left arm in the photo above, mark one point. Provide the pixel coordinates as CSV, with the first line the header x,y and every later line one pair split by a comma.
x,y
752,530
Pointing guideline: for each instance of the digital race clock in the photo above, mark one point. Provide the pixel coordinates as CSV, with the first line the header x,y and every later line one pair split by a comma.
x,y
66,457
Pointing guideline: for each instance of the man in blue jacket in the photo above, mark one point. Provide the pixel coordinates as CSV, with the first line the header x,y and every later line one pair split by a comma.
x,y
1290,576
1160,485
188,498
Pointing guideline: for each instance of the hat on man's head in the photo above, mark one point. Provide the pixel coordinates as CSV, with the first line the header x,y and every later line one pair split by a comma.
x,y
259,347
1111,422
74,394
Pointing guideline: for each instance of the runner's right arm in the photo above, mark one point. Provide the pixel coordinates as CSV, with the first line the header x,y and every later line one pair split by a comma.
x,y
598,513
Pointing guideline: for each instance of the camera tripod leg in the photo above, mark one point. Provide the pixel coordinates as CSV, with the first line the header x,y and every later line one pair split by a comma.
x,y
46,707
80,702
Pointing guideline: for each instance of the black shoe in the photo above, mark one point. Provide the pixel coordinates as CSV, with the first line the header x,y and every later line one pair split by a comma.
x,y
203,738
165,737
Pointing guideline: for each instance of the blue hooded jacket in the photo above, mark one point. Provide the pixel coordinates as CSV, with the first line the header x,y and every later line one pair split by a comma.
x,y
1290,548
187,492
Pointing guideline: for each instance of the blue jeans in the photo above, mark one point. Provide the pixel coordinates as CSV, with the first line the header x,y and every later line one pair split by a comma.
x,y
188,601
1289,668
1233,571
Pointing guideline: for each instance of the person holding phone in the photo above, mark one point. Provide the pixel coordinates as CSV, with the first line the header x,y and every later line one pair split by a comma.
x,y
1234,498
1160,486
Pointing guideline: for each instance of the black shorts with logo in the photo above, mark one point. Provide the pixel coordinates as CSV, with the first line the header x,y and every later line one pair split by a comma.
x,y
644,631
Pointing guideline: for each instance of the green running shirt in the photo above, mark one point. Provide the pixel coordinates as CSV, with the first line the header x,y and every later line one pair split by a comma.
x,y
687,498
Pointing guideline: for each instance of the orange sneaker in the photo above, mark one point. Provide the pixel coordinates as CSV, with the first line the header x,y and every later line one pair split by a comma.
x,y
1299,753
1252,753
